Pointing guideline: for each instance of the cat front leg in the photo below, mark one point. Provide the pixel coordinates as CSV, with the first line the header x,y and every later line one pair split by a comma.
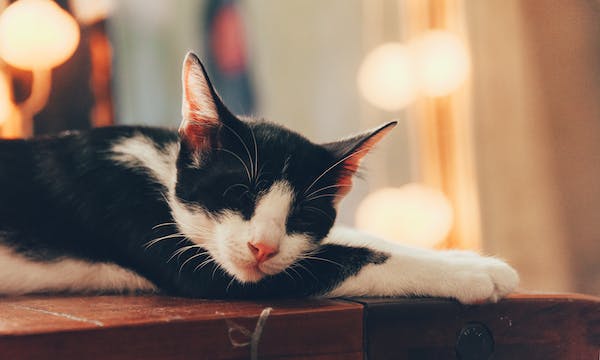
x,y
406,271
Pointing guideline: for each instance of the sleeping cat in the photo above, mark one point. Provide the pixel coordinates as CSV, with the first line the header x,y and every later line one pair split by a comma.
x,y
224,208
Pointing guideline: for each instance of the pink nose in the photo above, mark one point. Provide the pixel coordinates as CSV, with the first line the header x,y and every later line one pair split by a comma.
x,y
261,251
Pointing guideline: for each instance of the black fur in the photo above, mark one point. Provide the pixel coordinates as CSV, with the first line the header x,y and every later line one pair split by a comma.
x,y
64,196
67,196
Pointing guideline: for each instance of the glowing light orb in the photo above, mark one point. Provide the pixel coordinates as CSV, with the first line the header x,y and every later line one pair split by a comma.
x,y
386,78
91,11
413,214
442,61
37,34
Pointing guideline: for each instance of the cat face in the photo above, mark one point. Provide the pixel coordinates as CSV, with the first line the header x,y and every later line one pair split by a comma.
x,y
257,196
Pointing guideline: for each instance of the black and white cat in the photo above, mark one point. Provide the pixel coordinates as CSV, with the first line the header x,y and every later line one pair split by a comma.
x,y
226,208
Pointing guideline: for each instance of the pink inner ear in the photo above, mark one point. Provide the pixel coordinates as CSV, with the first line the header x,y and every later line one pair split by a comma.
x,y
198,135
192,87
353,160
200,119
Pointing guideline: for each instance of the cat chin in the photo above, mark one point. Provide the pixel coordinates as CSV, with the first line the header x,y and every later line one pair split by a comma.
x,y
249,274
252,273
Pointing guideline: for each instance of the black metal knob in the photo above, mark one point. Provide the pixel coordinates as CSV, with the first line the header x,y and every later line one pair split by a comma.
x,y
475,342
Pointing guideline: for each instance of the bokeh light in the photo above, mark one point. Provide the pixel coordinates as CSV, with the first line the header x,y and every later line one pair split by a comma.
x,y
37,34
91,11
386,77
413,214
442,62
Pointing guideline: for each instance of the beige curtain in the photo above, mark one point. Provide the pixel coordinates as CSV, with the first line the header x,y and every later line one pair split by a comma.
x,y
537,129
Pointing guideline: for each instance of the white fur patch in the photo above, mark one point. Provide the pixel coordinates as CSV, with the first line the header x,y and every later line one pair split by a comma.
x,y
22,276
229,245
227,237
465,276
139,151
270,214
192,221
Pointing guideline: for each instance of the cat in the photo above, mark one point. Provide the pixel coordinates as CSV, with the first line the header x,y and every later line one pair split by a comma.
x,y
226,207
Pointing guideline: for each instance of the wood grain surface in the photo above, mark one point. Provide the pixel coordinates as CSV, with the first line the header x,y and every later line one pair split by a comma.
x,y
523,326
154,327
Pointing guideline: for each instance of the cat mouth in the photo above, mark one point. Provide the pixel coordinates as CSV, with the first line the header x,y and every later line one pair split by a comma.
x,y
251,273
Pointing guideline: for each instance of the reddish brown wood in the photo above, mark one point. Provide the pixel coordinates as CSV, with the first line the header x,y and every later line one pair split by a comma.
x,y
149,327
524,326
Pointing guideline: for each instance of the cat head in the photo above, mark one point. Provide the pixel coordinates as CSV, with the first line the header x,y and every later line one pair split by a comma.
x,y
258,197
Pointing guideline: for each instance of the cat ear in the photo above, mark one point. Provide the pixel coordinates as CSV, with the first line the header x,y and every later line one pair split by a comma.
x,y
351,151
200,106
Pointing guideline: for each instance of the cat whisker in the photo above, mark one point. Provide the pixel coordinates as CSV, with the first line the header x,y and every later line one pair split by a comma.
x,y
256,172
182,241
260,172
203,264
177,253
333,166
315,251
157,240
322,196
218,267
321,259
234,185
190,259
260,182
240,159
163,224
244,193
305,269
286,165
245,147
320,211
288,274
255,154
164,197
230,283
291,268
327,187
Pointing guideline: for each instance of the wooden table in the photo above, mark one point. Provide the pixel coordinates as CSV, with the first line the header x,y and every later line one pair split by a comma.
x,y
154,327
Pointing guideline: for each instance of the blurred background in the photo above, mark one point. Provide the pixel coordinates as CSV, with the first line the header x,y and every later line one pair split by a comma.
x,y
498,144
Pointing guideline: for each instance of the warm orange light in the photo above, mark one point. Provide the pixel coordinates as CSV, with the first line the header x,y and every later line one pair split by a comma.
x,y
413,214
7,108
442,62
37,34
386,77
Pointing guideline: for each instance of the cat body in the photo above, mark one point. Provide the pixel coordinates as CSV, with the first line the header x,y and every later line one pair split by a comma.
x,y
223,208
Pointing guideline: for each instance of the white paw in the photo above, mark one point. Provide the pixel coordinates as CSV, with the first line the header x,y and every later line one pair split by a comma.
x,y
482,279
